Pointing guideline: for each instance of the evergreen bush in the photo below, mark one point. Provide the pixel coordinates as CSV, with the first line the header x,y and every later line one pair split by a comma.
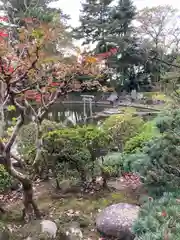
x,y
112,164
79,147
158,162
159,219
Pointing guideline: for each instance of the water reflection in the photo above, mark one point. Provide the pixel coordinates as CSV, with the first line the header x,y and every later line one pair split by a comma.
x,y
69,114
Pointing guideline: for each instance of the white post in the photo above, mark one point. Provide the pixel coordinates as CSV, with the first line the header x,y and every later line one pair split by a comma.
x,y
87,99
84,107
90,107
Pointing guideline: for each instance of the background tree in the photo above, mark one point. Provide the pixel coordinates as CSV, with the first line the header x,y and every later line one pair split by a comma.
x,y
94,21
110,26
159,25
121,35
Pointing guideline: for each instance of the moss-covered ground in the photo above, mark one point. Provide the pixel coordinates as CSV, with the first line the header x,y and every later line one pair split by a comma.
x,y
70,208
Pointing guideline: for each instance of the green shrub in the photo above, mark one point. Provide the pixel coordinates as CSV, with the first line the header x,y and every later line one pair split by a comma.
x,y
159,219
27,138
77,146
5,179
158,164
168,120
161,97
133,162
112,164
158,161
122,127
136,143
156,96
76,162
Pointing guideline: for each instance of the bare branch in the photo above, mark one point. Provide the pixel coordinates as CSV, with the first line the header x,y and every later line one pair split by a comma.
x,y
19,79
21,163
15,133
30,107
42,98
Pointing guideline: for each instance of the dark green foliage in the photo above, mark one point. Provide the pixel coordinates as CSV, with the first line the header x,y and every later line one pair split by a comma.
x,y
122,14
121,35
133,162
94,19
105,23
159,219
78,147
5,179
168,120
158,165
112,164
120,28
158,162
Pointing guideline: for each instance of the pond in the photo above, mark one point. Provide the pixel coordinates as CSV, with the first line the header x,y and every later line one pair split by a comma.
x,y
69,113
72,111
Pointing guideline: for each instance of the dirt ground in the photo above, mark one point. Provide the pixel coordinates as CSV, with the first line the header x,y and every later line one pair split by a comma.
x,y
71,207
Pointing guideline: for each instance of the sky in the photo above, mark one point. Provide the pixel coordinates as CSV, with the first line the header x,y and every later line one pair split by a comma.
x,y
72,7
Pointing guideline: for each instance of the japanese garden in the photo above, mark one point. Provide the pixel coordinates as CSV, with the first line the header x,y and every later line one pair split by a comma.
x,y
89,121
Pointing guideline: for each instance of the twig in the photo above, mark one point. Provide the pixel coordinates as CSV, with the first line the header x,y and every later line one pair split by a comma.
x,y
27,71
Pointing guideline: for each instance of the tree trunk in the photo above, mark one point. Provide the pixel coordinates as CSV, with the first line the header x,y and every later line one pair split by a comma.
x,y
28,198
83,176
38,147
104,176
105,185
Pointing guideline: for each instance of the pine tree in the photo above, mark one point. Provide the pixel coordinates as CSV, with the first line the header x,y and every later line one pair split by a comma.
x,y
122,15
120,31
121,35
94,19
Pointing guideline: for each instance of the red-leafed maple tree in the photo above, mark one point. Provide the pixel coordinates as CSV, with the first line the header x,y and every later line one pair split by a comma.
x,y
26,73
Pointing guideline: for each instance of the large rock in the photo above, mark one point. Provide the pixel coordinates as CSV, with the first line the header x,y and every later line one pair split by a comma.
x,y
117,220
49,227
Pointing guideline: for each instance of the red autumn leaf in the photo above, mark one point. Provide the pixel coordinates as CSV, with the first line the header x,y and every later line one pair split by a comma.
x,y
28,20
5,19
3,34
54,84
163,214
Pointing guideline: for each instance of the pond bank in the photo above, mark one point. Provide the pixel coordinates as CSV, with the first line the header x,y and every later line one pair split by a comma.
x,y
118,104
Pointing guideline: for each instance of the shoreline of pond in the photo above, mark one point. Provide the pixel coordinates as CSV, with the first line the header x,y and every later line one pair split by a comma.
x,y
116,105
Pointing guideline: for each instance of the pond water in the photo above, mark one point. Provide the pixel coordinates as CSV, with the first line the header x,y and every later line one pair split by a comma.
x,y
70,114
